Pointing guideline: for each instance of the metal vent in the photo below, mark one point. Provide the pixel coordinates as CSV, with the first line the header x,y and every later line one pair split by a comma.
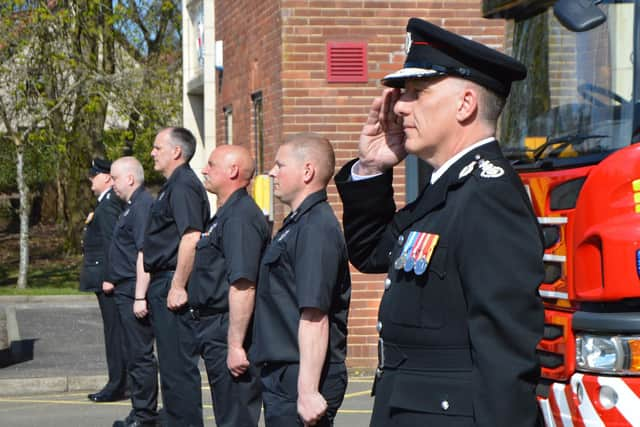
x,y
347,62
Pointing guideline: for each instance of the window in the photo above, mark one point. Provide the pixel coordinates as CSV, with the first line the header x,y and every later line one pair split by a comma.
x,y
228,124
258,131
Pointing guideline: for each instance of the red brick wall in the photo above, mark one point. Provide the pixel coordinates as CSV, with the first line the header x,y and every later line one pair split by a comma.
x,y
289,38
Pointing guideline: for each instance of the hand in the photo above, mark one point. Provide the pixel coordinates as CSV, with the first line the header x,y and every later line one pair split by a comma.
x,y
108,287
382,138
311,407
140,309
176,298
237,361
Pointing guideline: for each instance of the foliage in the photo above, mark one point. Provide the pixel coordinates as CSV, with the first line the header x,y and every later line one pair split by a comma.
x,y
84,78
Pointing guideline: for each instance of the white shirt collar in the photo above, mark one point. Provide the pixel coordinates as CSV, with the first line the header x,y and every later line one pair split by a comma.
x,y
442,169
101,196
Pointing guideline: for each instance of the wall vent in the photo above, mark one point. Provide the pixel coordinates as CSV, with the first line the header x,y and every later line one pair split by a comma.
x,y
346,62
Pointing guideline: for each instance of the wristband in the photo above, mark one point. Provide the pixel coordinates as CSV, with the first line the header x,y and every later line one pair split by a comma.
x,y
141,299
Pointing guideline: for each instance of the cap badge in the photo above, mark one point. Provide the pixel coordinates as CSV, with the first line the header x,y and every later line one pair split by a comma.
x,y
407,43
467,169
489,170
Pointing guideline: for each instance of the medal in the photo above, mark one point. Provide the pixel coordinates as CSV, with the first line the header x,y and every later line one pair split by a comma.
x,y
399,263
426,251
408,264
414,252
404,255
420,267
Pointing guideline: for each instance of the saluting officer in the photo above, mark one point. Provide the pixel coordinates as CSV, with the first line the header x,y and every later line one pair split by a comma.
x,y
127,273
304,291
222,287
95,246
460,316
177,219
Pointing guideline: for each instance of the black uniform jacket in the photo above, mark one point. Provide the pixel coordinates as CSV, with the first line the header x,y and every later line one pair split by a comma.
x,y
98,233
460,339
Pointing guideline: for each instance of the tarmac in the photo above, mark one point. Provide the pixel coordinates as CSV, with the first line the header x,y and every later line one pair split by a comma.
x,y
52,350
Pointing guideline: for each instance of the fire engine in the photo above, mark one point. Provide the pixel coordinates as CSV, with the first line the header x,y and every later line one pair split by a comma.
x,y
571,131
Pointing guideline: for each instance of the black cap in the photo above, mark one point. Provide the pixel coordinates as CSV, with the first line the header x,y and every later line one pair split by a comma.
x,y
99,166
433,51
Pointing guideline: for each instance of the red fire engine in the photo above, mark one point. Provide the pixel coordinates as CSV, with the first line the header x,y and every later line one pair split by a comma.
x,y
571,130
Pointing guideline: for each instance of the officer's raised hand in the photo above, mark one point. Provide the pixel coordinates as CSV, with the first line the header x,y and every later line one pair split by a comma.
x,y
382,139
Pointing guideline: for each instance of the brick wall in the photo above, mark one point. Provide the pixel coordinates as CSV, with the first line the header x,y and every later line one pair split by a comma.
x,y
280,48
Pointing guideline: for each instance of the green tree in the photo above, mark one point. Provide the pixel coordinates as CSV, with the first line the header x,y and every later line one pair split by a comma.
x,y
71,70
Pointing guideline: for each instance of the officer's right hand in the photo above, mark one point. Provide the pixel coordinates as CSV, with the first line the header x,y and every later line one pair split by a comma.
x,y
382,138
237,361
107,287
176,298
140,309
311,407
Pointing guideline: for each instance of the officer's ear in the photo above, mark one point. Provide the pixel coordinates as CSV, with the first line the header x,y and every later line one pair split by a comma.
x,y
177,152
233,171
308,172
467,106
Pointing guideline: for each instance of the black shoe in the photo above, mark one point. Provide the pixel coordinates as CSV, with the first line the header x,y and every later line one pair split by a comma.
x,y
103,396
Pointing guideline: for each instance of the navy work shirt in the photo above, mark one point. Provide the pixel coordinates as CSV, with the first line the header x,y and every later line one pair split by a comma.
x,y
128,238
230,249
181,205
305,266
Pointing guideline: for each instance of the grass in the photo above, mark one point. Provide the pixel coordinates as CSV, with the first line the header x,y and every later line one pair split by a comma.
x,y
50,271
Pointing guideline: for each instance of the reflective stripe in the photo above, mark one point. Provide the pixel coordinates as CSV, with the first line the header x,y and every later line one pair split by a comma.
x,y
561,400
552,219
589,415
554,258
547,414
552,294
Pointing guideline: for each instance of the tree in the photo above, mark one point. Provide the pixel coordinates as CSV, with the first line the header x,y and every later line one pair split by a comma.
x,y
69,69
25,105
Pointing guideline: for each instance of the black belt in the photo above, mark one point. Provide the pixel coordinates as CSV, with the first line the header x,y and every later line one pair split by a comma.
x,y
397,356
163,274
197,313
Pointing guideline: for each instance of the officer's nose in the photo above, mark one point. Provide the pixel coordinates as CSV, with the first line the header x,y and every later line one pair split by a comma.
x,y
273,172
401,107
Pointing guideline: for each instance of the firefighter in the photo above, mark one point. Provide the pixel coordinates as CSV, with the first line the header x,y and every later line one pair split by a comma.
x,y
177,219
303,294
460,316
131,283
95,246
222,287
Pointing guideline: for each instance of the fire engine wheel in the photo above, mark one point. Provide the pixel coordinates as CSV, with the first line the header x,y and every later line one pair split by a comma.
x,y
588,90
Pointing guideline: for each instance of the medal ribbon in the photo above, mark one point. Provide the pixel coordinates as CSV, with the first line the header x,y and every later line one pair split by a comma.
x,y
428,248
408,246
418,248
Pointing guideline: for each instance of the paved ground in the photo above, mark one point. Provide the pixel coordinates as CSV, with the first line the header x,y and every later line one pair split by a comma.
x,y
60,357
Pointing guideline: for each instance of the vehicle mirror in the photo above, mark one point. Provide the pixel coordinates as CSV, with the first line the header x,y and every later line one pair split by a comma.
x,y
578,15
